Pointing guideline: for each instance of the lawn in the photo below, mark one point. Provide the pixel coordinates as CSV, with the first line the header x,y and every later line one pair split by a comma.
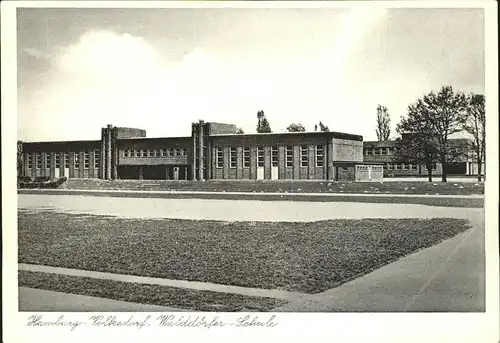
x,y
295,186
148,294
304,257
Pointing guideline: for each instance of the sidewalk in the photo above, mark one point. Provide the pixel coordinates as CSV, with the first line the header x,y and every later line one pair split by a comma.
x,y
96,192
447,277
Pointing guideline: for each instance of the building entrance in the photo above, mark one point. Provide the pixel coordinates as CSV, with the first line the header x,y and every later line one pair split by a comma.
x,y
260,173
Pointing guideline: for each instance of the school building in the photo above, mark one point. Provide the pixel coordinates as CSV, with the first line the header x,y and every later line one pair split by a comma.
x,y
214,151
385,153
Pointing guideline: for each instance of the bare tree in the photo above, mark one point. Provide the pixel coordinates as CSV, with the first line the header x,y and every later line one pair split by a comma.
x,y
418,150
434,119
475,125
383,123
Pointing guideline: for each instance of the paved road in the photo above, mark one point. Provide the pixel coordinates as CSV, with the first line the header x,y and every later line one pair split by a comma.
x,y
234,210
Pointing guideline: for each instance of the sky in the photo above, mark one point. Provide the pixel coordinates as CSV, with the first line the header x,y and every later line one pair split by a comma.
x,y
161,69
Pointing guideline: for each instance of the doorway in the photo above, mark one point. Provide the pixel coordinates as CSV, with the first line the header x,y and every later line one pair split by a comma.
x,y
260,173
274,173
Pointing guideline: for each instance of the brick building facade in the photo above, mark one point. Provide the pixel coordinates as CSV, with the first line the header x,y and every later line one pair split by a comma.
x,y
385,153
214,151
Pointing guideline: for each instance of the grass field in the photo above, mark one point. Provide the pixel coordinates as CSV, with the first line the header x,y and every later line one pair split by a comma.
x,y
148,294
296,186
303,257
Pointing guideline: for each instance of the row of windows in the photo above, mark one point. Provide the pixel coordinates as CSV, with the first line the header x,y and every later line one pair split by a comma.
x,y
57,162
304,156
404,166
379,151
366,168
155,152
393,150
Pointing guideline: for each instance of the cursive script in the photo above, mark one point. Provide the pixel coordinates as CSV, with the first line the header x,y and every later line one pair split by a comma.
x,y
38,320
201,321
162,321
114,321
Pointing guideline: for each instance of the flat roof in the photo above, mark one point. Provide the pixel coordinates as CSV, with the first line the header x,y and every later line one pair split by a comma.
x,y
151,138
63,142
334,134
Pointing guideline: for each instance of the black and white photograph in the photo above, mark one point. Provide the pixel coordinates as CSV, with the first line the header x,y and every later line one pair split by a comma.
x,y
258,160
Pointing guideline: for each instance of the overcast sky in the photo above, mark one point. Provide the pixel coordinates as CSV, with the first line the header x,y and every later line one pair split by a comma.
x,y
161,69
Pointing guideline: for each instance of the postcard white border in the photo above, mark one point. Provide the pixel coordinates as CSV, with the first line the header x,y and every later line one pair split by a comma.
x,y
383,327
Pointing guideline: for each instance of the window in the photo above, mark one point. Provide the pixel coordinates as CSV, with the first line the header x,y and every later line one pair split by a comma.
x,y
58,160
375,151
383,151
220,157
125,153
289,156
304,156
171,152
86,160
47,161
246,157
164,152
260,156
157,153
144,153
137,153
177,151
389,166
274,156
151,153
77,160
97,157
320,155
38,158
368,152
232,157
29,161
396,166
66,160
